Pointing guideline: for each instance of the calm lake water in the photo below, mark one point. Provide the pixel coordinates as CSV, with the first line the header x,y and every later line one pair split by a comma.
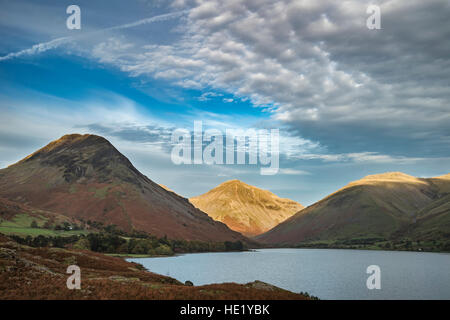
x,y
327,274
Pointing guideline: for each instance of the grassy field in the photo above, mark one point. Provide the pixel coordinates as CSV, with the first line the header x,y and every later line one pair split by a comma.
x,y
21,225
23,231
23,220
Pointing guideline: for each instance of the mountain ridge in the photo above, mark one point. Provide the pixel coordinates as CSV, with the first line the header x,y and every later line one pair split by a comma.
x,y
86,177
245,208
384,205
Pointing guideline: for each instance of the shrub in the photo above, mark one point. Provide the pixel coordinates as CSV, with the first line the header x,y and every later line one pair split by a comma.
x,y
82,244
164,250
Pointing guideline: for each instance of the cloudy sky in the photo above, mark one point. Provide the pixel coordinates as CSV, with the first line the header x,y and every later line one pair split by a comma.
x,y
348,101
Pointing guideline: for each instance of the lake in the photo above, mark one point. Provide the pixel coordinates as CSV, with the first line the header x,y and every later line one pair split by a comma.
x,y
325,273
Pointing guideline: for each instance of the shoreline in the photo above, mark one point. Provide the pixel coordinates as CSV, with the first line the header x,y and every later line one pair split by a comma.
x,y
139,256
143,256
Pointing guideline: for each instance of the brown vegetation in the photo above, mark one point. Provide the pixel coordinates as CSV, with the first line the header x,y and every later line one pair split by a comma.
x,y
391,206
85,177
40,273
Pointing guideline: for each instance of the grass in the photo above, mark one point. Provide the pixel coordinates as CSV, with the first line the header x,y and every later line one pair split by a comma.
x,y
21,225
73,189
23,220
101,193
27,231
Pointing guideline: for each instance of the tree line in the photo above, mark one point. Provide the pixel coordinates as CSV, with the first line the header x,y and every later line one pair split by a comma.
x,y
112,240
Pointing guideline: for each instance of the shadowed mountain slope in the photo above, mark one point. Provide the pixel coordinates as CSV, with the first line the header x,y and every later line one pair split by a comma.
x,y
85,177
382,205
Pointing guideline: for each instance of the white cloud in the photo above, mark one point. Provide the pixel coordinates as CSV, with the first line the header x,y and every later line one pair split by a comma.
x,y
55,43
361,157
206,96
294,172
313,65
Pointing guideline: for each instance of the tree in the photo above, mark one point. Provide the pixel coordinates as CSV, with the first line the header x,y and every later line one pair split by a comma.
x,y
82,244
123,248
47,225
141,248
234,246
34,224
40,241
164,250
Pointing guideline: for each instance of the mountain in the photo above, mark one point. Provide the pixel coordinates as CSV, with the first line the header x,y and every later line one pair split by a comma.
x,y
384,205
244,208
86,177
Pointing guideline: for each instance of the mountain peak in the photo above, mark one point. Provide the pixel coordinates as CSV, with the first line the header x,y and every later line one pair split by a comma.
x,y
234,182
77,140
72,137
390,205
72,141
79,156
387,177
86,177
237,188
245,208
394,175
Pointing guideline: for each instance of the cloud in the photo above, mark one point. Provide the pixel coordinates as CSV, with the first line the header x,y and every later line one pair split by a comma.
x,y
294,172
317,68
53,44
37,48
361,157
343,96
313,66
206,96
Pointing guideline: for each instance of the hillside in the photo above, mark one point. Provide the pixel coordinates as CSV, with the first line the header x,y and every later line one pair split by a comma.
x,y
21,219
40,273
385,206
245,208
85,177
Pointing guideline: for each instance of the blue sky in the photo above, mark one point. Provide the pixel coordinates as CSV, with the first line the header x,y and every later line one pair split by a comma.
x,y
348,101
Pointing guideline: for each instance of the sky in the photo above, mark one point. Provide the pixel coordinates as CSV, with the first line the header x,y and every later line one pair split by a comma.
x,y
348,101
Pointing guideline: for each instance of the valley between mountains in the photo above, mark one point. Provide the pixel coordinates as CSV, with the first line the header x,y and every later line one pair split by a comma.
x,y
78,198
